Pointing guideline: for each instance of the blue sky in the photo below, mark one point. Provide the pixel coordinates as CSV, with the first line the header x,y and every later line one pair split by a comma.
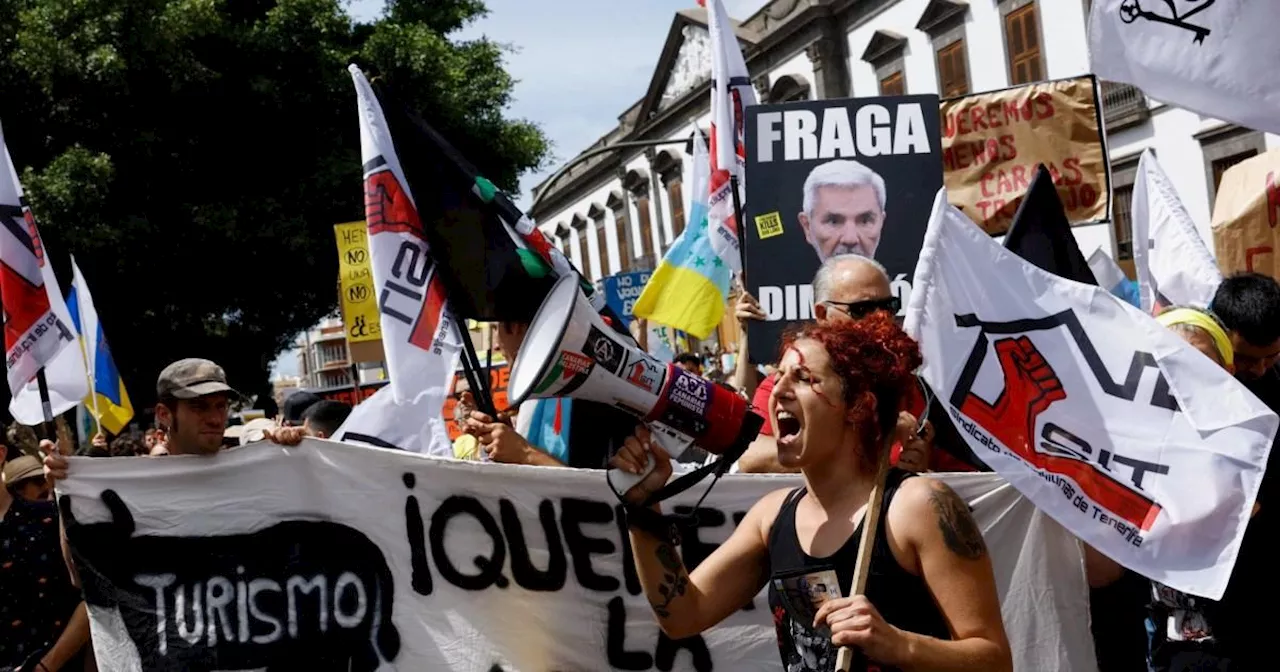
x,y
578,65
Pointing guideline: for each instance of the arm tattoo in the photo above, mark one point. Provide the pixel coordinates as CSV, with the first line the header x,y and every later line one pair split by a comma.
x,y
959,530
675,580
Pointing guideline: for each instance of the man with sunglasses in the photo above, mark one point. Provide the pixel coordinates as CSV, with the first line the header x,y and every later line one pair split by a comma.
x,y
846,287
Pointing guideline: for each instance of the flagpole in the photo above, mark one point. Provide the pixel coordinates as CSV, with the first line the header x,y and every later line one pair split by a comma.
x,y
742,232
46,405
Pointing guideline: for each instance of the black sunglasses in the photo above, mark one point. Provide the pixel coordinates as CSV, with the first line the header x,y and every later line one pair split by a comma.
x,y
859,309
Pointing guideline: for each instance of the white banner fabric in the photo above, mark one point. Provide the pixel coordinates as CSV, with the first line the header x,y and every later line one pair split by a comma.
x,y
1132,439
336,556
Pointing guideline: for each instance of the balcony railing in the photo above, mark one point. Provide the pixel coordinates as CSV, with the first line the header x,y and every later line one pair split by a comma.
x,y
1123,105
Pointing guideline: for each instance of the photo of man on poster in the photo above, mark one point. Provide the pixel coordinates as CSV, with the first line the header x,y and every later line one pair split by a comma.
x,y
843,209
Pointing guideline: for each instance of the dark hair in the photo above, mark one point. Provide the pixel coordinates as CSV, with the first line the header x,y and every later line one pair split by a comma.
x,y
1248,304
871,355
127,446
688,358
327,416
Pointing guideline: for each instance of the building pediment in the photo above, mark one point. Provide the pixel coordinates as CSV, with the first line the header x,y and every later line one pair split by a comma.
x,y
685,62
939,12
883,43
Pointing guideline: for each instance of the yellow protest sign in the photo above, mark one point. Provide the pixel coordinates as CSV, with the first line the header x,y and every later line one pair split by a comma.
x,y
359,305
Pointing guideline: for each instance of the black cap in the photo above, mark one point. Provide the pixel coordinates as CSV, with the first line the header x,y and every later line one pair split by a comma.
x,y
296,404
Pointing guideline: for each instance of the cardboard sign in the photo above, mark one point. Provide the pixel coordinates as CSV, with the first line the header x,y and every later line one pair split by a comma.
x,y
992,142
1245,216
333,556
359,305
831,177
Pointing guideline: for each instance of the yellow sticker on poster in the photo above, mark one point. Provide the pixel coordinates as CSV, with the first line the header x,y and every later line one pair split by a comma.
x,y
769,225
359,305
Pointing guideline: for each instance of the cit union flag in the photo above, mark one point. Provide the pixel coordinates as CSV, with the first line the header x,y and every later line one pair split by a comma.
x,y
1114,426
418,335
36,322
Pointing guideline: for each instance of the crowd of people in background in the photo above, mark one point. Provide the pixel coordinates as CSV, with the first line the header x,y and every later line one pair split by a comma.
x,y
1138,624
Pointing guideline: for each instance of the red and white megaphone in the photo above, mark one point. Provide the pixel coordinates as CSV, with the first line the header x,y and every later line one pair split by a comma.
x,y
568,351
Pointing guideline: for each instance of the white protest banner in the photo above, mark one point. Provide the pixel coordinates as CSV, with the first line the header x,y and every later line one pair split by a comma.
x,y
331,556
1133,440
1207,57
1175,266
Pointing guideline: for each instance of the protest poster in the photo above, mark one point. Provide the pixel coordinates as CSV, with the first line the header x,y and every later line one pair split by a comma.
x,y
359,308
1245,216
622,290
992,143
832,177
332,556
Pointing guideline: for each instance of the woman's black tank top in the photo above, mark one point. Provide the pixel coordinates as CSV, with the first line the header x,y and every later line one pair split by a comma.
x,y
799,583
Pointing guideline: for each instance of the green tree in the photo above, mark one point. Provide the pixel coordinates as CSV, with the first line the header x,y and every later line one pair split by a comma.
x,y
195,154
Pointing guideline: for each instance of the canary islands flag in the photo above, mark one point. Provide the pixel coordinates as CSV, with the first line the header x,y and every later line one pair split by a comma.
x,y
689,289
107,399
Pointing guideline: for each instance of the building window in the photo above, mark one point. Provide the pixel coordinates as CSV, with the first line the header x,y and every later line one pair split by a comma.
x,y
1123,175
1122,219
676,196
617,204
646,227
596,214
579,226
953,70
893,85
885,52
1225,147
1022,43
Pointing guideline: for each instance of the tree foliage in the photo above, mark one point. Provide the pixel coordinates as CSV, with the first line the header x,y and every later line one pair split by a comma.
x,y
194,154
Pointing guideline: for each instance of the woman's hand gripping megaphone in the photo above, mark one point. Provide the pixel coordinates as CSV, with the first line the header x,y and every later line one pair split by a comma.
x,y
643,465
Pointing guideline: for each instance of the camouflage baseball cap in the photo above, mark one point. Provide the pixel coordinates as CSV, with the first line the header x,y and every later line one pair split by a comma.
x,y
191,378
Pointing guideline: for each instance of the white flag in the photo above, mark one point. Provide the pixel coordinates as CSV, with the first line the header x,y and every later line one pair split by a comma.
x,y
37,325
1209,57
68,384
1174,265
415,426
419,337
1134,441
731,93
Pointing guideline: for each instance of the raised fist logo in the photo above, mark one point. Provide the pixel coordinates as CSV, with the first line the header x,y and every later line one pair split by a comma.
x,y
1030,387
387,207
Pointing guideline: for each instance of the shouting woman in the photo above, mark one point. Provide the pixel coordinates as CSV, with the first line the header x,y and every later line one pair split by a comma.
x,y
930,601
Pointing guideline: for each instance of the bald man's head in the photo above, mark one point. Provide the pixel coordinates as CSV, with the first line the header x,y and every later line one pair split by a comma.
x,y
845,279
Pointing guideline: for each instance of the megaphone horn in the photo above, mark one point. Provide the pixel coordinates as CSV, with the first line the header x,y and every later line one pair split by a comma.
x,y
568,351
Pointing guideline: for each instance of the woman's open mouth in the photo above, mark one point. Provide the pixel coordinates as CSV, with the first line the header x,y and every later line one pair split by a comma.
x,y
788,426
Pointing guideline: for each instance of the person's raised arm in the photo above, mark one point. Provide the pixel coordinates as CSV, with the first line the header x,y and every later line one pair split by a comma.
x,y
688,603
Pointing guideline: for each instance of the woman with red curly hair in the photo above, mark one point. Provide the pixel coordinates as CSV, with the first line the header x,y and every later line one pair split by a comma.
x,y
930,601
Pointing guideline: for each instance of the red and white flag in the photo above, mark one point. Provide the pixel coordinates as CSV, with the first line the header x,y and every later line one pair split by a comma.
x,y
419,337
1174,266
731,94
37,325
1131,439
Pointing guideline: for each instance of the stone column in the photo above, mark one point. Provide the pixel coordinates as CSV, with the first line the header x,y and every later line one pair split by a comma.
x,y
829,56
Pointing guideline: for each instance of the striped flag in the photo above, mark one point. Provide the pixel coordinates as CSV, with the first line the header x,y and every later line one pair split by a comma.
x,y
36,324
731,93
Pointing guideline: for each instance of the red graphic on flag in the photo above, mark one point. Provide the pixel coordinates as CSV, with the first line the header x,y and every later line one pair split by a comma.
x,y
1030,387
387,207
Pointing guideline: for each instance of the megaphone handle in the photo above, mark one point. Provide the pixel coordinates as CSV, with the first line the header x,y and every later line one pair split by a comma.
x,y
622,481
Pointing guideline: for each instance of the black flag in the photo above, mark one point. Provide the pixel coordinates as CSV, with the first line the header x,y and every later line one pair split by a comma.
x,y
1042,235
475,253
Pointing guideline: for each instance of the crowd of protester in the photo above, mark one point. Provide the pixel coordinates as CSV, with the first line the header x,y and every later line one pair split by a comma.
x,y
1138,624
